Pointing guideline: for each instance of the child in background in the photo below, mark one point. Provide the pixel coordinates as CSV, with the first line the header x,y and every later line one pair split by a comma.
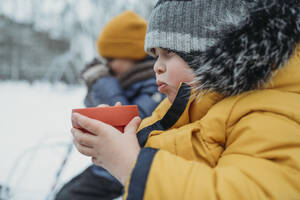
x,y
127,77
230,127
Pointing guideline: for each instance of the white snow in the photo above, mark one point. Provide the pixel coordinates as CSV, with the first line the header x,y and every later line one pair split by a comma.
x,y
35,134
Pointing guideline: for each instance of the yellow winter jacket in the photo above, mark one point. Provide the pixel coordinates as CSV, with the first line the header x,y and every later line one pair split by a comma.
x,y
240,147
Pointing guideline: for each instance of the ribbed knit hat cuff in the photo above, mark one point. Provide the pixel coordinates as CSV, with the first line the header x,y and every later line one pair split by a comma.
x,y
171,26
184,43
128,50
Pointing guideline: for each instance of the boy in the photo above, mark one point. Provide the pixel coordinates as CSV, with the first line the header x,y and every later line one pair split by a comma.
x,y
231,133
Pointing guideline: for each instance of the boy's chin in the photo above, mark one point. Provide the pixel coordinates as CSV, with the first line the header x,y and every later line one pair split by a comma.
x,y
171,98
171,94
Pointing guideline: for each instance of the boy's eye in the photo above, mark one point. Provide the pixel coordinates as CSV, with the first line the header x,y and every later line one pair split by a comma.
x,y
153,52
168,52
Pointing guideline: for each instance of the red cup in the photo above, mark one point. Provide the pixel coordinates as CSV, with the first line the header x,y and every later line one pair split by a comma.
x,y
116,116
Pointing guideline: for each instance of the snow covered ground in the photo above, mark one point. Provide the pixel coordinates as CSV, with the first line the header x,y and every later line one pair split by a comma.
x,y
35,136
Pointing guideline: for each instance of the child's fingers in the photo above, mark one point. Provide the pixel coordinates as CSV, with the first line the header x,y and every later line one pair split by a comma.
x,y
94,126
118,103
103,105
83,149
133,125
84,139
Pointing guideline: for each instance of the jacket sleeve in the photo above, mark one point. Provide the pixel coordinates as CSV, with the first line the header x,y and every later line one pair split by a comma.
x,y
260,161
107,90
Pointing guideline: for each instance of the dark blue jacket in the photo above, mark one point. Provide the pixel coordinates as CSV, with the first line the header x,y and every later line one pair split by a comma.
x,y
144,94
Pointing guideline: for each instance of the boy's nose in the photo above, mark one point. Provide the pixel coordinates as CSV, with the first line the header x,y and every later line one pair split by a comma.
x,y
159,67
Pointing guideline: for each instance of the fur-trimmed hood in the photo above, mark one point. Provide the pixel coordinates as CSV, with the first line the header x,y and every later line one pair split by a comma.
x,y
246,58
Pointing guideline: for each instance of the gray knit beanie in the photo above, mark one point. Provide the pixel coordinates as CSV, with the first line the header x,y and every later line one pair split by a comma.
x,y
191,25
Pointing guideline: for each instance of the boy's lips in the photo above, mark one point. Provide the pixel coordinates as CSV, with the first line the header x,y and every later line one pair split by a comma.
x,y
161,85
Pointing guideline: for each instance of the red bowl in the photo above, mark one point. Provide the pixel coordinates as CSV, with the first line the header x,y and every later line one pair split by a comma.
x,y
116,116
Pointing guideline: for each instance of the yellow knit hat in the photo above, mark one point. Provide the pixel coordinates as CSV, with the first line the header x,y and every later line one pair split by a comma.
x,y
123,37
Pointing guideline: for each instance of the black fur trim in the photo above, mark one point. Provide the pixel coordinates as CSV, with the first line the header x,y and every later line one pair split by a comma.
x,y
245,59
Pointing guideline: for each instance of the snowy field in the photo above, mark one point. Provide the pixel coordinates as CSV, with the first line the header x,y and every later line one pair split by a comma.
x,y
35,136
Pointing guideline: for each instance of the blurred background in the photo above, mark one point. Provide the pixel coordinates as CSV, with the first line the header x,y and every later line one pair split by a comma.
x,y
44,44
52,39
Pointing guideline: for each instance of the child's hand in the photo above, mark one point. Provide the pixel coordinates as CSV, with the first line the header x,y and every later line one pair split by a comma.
x,y
107,146
106,105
